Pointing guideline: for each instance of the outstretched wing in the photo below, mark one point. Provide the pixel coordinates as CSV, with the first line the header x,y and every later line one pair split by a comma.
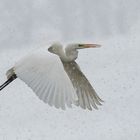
x,y
45,74
87,96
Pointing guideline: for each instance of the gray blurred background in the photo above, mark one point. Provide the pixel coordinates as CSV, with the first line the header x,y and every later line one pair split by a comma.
x,y
25,23
113,70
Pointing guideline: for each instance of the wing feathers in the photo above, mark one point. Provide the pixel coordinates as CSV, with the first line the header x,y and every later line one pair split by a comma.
x,y
87,96
56,84
50,96
45,74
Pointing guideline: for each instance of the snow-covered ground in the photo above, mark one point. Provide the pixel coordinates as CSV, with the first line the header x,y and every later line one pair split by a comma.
x,y
113,70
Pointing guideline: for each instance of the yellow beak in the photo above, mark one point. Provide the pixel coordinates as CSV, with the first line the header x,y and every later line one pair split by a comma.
x,y
89,45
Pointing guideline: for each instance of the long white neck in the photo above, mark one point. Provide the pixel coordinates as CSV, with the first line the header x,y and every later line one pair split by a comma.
x,y
68,55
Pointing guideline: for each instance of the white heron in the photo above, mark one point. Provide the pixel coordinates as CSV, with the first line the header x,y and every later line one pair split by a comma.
x,y
55,77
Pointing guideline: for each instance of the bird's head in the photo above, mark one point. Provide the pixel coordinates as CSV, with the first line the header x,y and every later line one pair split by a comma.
x,y
55,48
72,49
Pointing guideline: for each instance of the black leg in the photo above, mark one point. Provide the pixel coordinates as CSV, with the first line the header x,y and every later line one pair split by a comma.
x,y
8,81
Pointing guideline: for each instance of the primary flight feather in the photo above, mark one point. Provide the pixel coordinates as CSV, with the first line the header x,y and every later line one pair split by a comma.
x,y
55,77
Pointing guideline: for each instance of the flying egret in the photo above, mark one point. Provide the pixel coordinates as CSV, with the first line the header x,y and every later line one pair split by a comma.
x,y
55,77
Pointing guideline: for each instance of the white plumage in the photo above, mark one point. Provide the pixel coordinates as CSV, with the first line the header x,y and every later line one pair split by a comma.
x,y
44,73
55,77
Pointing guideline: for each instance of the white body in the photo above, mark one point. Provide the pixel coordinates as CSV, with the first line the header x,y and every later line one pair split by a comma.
x,y
56,78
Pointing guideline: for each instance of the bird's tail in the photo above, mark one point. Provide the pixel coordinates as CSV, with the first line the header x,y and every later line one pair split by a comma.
x,y
13,77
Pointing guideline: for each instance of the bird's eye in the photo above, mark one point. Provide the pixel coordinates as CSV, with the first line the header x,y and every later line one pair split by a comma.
x,y
80,45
